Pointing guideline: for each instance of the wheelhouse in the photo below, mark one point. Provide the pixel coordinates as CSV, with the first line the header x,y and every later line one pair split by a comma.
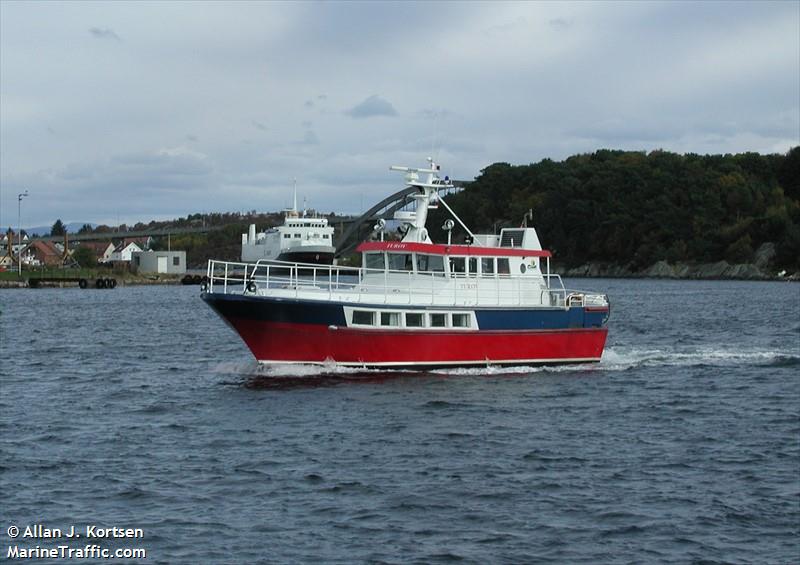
x,y
454,261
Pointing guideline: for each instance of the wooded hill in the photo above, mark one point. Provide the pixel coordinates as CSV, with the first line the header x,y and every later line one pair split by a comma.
x,y
636,208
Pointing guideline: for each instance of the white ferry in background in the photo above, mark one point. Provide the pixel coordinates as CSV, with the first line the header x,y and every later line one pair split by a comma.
x,y
414,303
301,239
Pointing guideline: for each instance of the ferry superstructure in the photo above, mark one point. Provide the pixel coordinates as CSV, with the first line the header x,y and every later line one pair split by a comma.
x,y
301,239
414,303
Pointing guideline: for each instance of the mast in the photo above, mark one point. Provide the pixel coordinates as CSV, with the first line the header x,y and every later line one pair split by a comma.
x,y
429,187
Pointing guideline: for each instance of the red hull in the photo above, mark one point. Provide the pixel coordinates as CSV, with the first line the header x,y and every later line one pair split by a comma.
x,y
313,343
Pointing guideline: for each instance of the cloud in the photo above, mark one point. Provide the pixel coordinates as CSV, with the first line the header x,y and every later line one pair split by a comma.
x,y
545,80
309,138
309,104
371,107
560,23
104,33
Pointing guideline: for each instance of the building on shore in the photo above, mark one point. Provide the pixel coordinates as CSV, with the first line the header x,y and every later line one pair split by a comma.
x,y
166,262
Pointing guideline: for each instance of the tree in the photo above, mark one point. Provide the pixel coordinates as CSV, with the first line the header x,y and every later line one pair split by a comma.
x,y
86,228
58,228
85,257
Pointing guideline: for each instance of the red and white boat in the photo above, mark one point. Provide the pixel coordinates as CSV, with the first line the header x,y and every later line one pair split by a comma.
x,y
414,303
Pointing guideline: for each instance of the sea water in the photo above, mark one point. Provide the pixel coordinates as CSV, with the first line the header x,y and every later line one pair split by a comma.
x,y
138,408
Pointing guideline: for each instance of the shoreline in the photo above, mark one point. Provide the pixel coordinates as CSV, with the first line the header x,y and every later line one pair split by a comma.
x,y
721,270
70,284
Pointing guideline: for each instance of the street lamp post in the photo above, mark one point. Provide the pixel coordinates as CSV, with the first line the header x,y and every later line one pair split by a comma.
x,y
19,229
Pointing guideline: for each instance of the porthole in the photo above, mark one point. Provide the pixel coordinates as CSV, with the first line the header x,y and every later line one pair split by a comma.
x,y
522,268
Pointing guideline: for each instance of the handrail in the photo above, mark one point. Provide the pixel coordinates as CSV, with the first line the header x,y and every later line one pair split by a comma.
x,y
363,285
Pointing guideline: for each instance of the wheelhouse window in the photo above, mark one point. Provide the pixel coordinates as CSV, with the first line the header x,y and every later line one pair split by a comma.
x,y
438,320
375,261
461,320
364,317
473,265
503,267
390,318
430,264
487,266
414,320
400,262
457,265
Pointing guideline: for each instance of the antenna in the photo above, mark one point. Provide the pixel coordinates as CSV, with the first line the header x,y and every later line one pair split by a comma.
x,y
294,205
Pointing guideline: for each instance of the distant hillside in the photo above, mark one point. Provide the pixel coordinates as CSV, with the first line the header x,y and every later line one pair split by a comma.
x,y
72,227
635,209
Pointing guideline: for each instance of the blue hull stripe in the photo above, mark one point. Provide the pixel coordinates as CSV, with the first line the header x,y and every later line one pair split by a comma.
x,y
276,309
332,313
539,319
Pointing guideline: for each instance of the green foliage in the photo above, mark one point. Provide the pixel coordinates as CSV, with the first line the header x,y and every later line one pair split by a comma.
x,y
58,228
633,208
85,257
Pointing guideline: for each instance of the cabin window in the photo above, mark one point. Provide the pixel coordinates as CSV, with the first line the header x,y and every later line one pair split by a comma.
x,y
487,265
503,267
414,319
461,320
457,264
400,262
473,265
430,263
297,236
326,236
287,236
176,261
390,318
364,317
375,261
438,320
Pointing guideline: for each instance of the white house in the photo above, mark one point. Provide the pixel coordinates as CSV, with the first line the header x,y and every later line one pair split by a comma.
x,y
14,241
124,251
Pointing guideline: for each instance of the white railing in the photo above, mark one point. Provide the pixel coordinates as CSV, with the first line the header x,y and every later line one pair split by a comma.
x,y
379,286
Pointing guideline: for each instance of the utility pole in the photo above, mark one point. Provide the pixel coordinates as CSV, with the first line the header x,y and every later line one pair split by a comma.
x,y
19,228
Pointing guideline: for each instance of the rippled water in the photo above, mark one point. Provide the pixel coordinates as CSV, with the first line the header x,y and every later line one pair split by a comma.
x,y
138,407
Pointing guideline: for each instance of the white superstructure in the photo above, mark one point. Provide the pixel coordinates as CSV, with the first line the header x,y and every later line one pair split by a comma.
x,y
301,239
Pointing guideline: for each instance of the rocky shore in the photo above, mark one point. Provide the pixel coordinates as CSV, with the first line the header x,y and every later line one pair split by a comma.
x,y
664,270
761,269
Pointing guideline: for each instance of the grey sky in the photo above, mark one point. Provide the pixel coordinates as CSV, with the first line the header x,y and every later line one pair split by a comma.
x,y
138,111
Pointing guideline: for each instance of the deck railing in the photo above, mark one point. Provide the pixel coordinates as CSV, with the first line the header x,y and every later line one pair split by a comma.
x,y
379,286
